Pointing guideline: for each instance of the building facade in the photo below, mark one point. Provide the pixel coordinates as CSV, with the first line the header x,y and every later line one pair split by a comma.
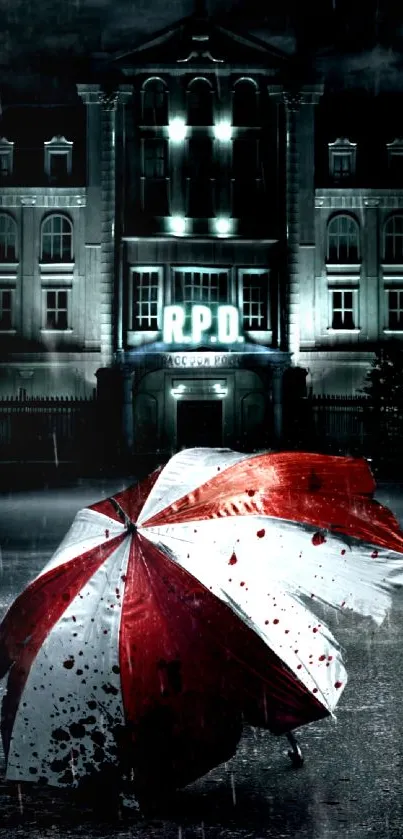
x,y
168,238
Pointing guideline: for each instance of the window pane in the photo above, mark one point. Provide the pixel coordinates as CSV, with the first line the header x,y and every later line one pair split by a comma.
x,y
8,238
57,239
342,240
145,294
245,103
255,301
155,104
200,103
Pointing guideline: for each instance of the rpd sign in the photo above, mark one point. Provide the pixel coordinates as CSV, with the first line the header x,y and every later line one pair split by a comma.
x,y
197,323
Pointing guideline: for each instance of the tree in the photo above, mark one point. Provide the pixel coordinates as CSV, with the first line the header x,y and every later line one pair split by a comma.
x,y
384,412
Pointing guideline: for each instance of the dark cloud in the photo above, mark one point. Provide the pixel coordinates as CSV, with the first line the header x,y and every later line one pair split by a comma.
x,y
353,42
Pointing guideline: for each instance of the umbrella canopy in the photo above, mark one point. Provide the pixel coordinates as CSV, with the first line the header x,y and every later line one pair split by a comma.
x,y
181,608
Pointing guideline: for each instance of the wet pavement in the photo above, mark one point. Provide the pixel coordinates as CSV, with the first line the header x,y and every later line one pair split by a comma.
x,y
350,786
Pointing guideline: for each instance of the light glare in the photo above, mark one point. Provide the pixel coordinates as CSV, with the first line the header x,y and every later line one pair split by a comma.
x,y
177,130
223,131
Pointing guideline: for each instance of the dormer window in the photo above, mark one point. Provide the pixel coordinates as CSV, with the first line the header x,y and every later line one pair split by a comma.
x,y
395,159
58,159
342,160
6,158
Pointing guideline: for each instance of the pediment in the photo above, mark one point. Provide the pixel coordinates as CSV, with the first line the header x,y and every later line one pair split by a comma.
x,y
195,42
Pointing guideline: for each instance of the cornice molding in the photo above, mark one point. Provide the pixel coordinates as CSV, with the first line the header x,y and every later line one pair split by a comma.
x,y
42,197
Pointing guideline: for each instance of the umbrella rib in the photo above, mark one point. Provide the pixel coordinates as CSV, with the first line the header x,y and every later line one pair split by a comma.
x,y
129,524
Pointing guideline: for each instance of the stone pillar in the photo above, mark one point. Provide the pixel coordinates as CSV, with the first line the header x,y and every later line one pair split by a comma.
x,y
277,401
103,214
127,408
299,205
369,318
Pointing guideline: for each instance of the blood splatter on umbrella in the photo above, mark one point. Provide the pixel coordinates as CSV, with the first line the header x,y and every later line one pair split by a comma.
x,y
182,608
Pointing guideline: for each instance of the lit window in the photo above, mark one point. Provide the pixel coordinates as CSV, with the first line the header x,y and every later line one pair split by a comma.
x,y
245,98
144,299
154,103
200,103
200,285
5,309
57,239
255,302
395,309
342,159
343,240
56,309
205,286
393,239
343,308
8,239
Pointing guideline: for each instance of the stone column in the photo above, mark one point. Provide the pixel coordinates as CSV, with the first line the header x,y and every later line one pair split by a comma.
x,y
277,401
299,205
127,408
104,152
371,311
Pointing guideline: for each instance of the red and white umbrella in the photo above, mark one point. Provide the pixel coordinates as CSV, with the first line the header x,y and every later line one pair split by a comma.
x,y
183,606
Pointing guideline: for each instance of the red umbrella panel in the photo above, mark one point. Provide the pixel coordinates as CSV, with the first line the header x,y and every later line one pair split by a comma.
x,y
182,607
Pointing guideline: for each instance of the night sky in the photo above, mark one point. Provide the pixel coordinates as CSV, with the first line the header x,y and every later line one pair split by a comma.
x,y
354,43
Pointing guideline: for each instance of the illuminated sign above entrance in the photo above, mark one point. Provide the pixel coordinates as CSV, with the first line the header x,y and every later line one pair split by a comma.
x,y
198,324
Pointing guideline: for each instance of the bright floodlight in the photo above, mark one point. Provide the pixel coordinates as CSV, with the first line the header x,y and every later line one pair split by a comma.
x,y
223,131
223,226
177,129
178,225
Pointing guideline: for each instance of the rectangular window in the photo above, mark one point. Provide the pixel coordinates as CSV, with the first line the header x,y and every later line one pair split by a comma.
x,y
200,285
206,286
58,165
342,165
343,308
155,159
395,309
5,309
144,302
56,309
5,164
255,300
155,182
245,158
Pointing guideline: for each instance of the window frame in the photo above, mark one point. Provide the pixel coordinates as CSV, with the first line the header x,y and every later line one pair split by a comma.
x,y
131,318
45,259
343,288
342,147
386,257
11,258
56,288
58,146
164,109
337,218
7,153
250,272
199,81
243,81
8,289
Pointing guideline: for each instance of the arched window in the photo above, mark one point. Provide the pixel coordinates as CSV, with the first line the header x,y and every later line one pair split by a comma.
x,y
154,103
393,239
8,238
343,239
200,103
244,106
57,239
